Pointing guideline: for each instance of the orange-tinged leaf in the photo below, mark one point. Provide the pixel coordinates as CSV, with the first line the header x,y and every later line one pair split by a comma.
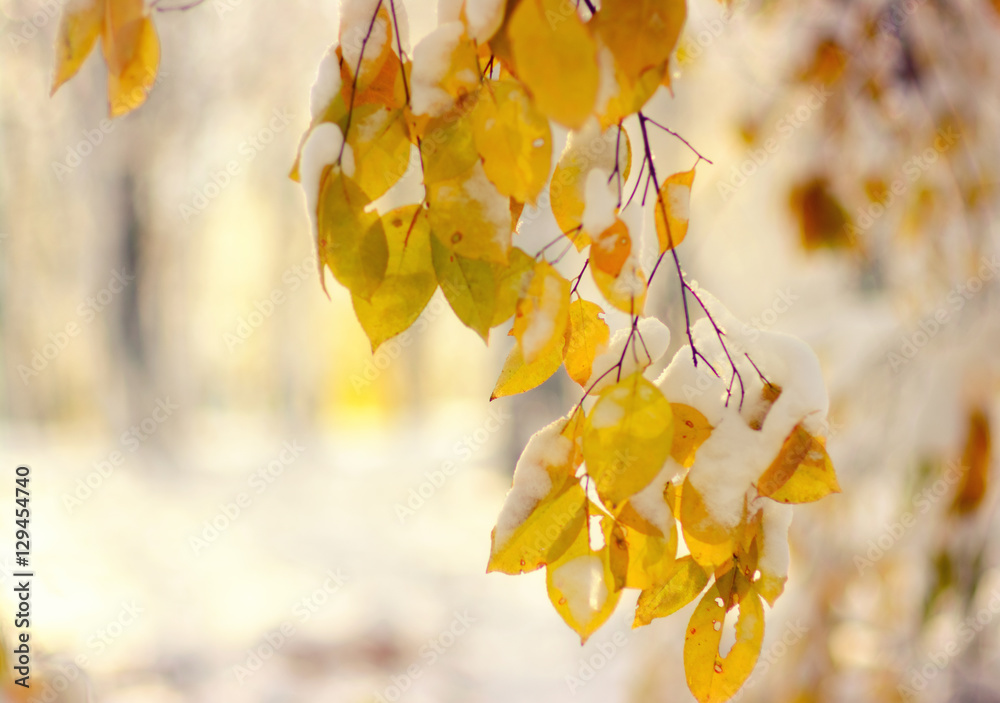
x,y
674,201
587,336
371,54
691,428
975,463
801,473
132,52
629,97
711,677
352,242
615,268
514,140
685,581
470,217
78,31
627,438
542,313
519,377
584,585
549,529
556,58
409,281
641,34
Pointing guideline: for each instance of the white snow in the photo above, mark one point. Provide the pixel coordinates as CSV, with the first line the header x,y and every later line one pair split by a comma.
x,y
679,200
650,503
774,557
355,20
495,206
431,61
542,324
600,202
607,413
321,149
656,337
484,18
581,581
607,86
532,480
327,84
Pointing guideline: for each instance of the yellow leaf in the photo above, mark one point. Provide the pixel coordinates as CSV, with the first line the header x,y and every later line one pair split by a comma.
x,y
627,438
673,200
448,148
78,31
975,464
518,377
436,92
469,285
351,241
629,96
132,52
584,585
556,58
587,336
686,580
542,314
381,148
713,678
514,140
409,277
470,217
691,428
651,553
641,34
801,473
511,284
549,529
615,268
585,150
372,54
710,544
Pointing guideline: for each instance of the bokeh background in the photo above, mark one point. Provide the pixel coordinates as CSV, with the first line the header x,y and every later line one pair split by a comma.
x,y
235,501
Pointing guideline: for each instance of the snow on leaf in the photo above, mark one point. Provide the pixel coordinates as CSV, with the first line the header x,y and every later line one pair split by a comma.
x,y
517,376
682,585
586,150
514,140
511,284
614,265
544,510
366,38
445,70
556,58
586,336
132,52
542,314
409,281
627,438
352,242
711,677
79,28
801,473
710,543
655,337
585,586
674,200
381,148
619,96
483,18
470,217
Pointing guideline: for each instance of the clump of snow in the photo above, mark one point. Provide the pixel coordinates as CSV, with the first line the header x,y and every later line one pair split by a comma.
x,y
327,84
495,206
431,62
581,581
542,324
347,161
355,22
321,149
589,148
600,202
532,479
656,337
682,382
484,18
679,200
774,557
607,86
650,503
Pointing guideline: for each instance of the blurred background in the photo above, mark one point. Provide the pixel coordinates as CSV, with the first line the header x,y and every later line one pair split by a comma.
x,y
233,500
